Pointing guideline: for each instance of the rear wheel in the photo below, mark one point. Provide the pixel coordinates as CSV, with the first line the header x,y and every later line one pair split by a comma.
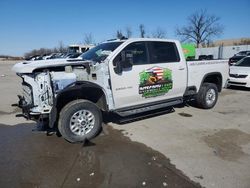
x,y
207,96
80,120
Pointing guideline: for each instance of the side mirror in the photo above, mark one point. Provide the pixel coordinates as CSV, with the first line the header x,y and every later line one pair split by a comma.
x,y
127,59
123,61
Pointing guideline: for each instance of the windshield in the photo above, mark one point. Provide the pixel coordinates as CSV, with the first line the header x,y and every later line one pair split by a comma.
x,y
243,53
244,62
100,52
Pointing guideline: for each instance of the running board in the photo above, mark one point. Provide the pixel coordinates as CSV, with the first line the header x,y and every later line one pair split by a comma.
x,y
133,118
138,110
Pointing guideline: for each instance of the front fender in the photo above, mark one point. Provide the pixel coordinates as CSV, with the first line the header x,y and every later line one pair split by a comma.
x,y
80,89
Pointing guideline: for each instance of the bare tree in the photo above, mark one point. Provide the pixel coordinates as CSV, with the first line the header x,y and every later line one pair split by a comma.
x,y
61,47
242,42
128,32
159,33
201,27
88,38
119,34
142,30
55,50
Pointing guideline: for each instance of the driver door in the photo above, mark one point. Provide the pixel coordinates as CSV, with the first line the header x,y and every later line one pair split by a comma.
x,y
125,84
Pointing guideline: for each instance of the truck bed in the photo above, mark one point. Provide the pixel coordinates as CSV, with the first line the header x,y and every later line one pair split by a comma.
x,y
198,69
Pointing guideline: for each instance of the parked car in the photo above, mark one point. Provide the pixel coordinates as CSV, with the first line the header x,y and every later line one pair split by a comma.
x,y
37,57
56,56
47,56
73,55
33,58
233,60
239,74
206,57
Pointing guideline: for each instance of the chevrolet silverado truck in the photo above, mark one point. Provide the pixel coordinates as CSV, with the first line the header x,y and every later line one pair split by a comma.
x,y
124,77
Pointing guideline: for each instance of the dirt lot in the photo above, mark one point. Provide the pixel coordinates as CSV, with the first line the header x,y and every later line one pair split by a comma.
x,y
181,149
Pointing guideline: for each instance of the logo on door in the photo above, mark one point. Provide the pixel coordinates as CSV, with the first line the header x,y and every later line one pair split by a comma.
x,y
155,81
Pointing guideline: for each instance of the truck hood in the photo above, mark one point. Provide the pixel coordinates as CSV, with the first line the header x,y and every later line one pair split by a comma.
x,y
239,70
30,66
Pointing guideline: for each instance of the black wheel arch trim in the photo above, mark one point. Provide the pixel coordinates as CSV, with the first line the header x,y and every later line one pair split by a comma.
x,y
212,74
73,86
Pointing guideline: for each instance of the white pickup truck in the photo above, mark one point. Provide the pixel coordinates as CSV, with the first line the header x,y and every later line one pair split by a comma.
x,y
125,77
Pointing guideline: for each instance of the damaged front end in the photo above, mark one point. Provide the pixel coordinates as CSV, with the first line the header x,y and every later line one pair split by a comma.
x,y
37,95
44,81
41,82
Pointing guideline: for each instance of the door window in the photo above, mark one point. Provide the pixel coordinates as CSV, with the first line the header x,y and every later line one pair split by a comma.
x,y
139,51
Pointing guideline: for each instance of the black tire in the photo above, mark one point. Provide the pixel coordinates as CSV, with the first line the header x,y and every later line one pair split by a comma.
x,y
201,100
72,109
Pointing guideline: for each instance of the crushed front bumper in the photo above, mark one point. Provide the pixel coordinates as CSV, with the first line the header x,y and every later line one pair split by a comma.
x,y
25,102
25,107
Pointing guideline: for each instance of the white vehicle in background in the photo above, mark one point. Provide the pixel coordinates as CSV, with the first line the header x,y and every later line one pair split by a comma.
x,y
123,77
239,74
79,48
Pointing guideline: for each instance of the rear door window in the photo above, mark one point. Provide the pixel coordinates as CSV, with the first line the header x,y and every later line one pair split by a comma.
x,y
163,52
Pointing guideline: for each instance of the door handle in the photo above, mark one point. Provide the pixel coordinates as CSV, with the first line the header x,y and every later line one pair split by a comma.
x,y
181,68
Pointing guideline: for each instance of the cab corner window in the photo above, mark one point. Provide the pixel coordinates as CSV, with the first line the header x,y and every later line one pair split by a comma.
x,y
164,52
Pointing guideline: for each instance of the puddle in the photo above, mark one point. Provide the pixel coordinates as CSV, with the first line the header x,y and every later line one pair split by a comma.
x,y
226,112
185,114
227,143
110,160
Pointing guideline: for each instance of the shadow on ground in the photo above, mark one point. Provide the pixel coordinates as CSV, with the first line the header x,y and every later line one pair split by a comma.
x,y
239,88
31,159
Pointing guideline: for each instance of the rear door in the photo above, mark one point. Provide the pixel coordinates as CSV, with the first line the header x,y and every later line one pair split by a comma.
x,y
157,74
165,56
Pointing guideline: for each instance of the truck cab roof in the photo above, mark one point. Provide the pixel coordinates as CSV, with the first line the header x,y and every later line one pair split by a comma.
x,y
140,39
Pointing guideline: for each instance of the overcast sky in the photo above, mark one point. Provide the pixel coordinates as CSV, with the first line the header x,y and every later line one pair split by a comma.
x,y
29,24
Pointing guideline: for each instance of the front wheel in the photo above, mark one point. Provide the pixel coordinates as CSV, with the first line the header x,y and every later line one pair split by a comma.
x,y
207,96
80,120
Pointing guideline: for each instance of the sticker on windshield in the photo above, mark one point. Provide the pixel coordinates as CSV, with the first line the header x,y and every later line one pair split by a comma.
x,y
155,81
106,52
102,52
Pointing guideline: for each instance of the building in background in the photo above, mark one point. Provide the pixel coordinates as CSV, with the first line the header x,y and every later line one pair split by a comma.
x,y
224,49
79,48
232,42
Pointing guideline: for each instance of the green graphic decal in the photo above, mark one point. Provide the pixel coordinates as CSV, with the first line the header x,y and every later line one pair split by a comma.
x,y
155,81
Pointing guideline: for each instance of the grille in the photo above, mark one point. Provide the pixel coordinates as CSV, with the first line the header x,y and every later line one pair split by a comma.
x,y
238,75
